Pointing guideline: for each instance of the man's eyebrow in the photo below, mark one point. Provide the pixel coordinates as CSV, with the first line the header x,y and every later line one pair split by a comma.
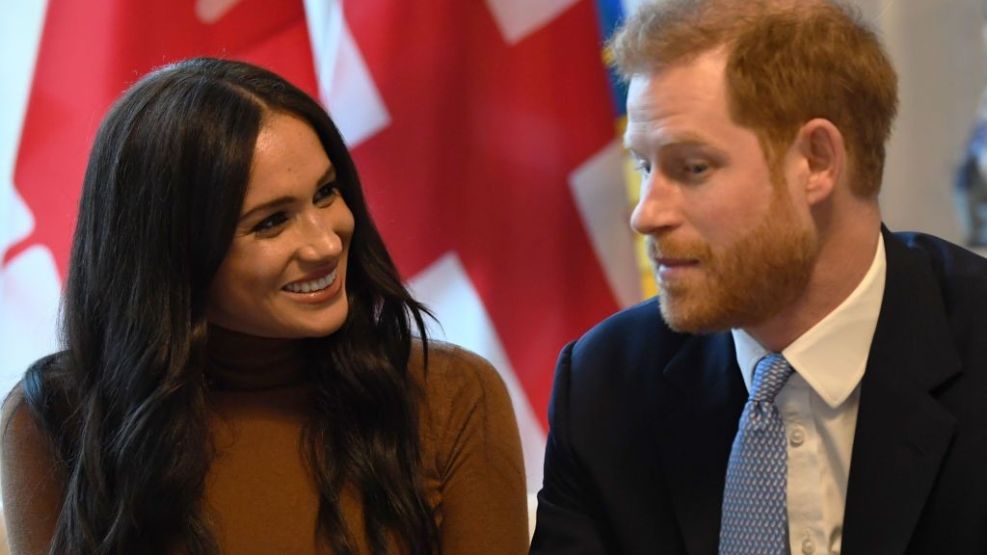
x,y
328,177
677,140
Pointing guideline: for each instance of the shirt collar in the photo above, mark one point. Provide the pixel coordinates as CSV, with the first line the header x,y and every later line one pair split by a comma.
x,y
832,355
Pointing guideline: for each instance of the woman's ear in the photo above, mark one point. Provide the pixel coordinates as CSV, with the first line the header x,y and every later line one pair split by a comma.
x,y
821,145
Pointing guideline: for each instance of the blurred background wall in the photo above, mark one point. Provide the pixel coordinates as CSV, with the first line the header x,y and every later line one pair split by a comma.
x,y
938,48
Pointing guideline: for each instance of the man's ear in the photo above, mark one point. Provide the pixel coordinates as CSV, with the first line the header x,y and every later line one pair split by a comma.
x,y
821,145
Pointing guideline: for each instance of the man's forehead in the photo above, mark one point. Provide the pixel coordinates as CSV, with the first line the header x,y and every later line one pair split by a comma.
x,y
702,72
691,92
651,136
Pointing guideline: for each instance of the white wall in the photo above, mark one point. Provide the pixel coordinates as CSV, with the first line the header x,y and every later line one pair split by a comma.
x,y
938,49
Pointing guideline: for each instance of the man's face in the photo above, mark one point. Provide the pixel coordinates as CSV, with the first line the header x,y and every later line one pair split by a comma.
x,y
729,246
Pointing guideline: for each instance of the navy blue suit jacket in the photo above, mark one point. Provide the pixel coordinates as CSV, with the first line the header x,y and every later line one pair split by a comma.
x,y
642,419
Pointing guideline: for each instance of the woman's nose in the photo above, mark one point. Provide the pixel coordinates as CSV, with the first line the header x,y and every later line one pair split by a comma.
x,y
319,240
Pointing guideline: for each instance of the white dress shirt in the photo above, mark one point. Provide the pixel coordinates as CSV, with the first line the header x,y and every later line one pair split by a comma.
x,y
818,406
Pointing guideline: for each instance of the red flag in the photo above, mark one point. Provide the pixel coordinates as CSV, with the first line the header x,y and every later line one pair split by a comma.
x,y
91,51
484,133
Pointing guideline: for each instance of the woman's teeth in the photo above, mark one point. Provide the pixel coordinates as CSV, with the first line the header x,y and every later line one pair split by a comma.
x,y
310,286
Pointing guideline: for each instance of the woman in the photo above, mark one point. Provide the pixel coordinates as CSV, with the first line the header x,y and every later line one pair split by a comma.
x,y
240,374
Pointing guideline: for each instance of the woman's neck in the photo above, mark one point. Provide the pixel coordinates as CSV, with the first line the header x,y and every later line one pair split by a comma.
x,y
238,361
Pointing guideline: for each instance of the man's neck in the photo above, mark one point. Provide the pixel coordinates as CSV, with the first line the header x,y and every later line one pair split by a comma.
x,y
844,258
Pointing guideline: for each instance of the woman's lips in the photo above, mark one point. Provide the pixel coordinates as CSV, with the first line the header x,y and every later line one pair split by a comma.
x,y
316,287
311,277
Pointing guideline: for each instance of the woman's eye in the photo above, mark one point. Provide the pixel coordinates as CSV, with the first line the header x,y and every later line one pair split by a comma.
x,y
270,223
325,193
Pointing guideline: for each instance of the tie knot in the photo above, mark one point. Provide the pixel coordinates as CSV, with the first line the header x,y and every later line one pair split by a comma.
x,y
770,375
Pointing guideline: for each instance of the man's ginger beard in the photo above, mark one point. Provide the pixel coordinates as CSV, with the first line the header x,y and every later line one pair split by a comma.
x,y
742,284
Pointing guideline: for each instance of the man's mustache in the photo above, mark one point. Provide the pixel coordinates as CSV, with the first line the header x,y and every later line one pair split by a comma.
x,y
683,250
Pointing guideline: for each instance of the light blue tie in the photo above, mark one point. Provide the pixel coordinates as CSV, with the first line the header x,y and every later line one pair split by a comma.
x,y
754,518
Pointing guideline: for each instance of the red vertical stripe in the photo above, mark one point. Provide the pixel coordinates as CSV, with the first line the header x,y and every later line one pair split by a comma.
x,y
483,138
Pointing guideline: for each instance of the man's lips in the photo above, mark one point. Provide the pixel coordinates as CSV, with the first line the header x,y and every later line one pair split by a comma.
x,y
671,263
671,257
670,269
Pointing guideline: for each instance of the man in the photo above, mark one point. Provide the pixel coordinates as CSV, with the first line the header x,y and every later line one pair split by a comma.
x,y
806,381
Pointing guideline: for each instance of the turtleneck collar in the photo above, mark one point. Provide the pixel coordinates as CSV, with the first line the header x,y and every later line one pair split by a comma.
x,y
240,362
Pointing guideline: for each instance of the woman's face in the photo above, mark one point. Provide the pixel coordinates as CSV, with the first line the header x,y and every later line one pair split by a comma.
x,y
285,273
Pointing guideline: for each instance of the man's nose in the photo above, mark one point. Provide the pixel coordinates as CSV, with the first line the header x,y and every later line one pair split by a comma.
x,y
658,208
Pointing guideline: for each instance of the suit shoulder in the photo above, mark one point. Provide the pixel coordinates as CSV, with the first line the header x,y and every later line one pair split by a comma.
x,y
957,286
627,338
644,314
949,261
960,273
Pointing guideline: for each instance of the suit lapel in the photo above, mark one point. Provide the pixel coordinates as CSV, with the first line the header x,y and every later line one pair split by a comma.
x,y
902,432
699,413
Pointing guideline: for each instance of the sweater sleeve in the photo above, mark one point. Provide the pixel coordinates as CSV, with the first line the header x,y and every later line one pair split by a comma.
x,y
478,460
31,482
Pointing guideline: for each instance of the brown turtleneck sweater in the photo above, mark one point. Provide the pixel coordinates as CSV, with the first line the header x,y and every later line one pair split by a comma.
x,y
259,497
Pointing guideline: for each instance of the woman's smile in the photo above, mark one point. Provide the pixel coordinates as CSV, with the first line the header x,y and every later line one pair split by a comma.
x,y
318,290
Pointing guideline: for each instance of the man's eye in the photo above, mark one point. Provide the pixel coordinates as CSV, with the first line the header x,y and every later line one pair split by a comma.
x,y
325,193
696,168
270,223
642,166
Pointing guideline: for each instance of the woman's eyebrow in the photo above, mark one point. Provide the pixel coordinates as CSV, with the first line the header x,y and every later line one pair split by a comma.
x,y
271,204
327,177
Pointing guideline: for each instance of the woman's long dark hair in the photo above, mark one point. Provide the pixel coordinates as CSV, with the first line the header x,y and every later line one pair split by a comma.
x,y
125,405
